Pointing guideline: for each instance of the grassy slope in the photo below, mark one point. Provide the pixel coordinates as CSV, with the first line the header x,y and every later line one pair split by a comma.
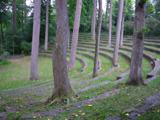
x,y
15,75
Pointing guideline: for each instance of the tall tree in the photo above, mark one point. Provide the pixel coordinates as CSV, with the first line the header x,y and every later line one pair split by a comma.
x,y
122,32
107,7
75,33
138,45
46,29
14,16
2,38
98,34
110,24
94,16
122,28
62,87
14,26
35,41
118,32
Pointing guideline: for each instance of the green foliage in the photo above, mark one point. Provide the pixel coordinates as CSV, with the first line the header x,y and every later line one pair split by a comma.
x,y
153,26
25,48
128,27
15,116
86,14
4,62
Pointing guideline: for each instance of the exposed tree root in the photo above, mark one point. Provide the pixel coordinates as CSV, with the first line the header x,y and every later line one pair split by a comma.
x,y
136,82
61,99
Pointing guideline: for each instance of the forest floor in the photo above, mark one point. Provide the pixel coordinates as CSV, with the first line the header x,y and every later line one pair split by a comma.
x,y
104,97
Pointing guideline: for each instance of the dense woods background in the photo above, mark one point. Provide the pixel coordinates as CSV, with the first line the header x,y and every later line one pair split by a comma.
x,y
16,35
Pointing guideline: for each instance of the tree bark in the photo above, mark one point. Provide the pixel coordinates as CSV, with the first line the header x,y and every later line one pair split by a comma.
x,y
35,41
122,32
110,25
138,45
14,24
75,33
116,48
62,87
122,26
93,27
107,6
14,16
46,29
98,34
2,38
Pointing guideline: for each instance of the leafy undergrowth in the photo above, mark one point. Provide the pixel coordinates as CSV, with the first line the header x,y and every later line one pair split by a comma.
x,y
4,62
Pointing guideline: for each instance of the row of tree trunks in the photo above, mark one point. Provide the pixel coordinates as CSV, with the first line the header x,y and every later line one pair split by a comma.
x,y
62,87
35,41
98,34
118,33
75,33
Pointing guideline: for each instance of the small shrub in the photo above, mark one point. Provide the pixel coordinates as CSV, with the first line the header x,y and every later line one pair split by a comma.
x,y
25,48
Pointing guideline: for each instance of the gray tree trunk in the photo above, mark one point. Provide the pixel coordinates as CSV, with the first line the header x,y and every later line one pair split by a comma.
x,y
122,27
62,87
14,16
35,41
75,34
94,16
14,25
110,25
122,32
116,48
107,6
138,45
46,29
98,34
2,37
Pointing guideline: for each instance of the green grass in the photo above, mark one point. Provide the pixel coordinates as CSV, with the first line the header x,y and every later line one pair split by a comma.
x,y
14,74
153,114
128,97
4,62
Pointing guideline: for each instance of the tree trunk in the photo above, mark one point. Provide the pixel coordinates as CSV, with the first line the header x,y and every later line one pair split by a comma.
x,y
122,32
2,38
138,45
93,27
106,14
14,24
35,41
98,34
14,16
110,25
46,29
119,21
75,34
62,87
122,26
107,6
